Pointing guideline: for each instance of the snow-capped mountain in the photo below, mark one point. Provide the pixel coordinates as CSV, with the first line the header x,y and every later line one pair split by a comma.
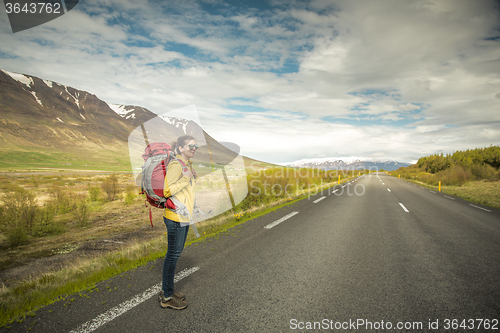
x,y
342,163
43,120
321,163
134,115
46,114
47,111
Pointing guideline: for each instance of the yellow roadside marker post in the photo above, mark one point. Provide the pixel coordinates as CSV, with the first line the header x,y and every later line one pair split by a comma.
x,y
439,186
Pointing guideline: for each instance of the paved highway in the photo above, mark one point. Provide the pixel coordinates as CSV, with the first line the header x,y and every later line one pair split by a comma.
x,y
378,254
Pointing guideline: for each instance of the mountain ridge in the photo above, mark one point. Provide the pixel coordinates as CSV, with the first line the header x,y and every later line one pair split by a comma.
x,y
343,163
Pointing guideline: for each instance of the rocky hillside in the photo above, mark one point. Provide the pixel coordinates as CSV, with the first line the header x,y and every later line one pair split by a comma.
x,y
47,124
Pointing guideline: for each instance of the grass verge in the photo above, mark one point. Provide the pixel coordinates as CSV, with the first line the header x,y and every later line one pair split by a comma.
x,y
481,192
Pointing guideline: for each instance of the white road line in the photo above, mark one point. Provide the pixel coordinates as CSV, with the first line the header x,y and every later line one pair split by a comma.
x,y
389,189
118,310
335,191
284,218
448,197
432,191
403,206
480,208
318,200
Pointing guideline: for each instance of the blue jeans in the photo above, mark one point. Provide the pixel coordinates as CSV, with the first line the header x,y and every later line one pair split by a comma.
x,y
176,240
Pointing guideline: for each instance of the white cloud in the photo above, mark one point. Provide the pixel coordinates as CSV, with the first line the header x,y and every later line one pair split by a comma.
x,y
409,107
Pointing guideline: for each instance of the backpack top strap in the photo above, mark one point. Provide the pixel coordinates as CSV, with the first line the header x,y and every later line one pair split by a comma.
x,y
181,162
184,166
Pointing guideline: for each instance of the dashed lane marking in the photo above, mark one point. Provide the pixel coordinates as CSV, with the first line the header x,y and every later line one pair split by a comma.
x,y
448,197
284,218
389,189
480,208
318,200
404,208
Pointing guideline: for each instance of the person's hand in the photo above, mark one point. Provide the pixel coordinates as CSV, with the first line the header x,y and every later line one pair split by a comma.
x,y
187,173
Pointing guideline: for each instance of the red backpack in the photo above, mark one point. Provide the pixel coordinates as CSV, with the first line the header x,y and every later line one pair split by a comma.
x,y
157,156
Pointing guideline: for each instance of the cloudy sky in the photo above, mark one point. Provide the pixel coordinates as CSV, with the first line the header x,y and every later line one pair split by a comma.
x,y
287,80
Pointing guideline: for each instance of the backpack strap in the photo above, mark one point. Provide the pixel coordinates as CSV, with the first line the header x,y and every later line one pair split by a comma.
x,y
181,162
150,214
184,167
164,168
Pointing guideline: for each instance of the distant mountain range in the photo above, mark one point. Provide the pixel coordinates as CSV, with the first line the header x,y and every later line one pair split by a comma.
x,y
350,163
47,124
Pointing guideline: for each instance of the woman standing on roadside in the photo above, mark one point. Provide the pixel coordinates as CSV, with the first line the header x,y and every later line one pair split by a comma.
x,y
179,186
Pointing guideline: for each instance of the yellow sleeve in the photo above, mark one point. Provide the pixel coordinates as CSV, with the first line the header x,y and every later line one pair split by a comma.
x,y
173,181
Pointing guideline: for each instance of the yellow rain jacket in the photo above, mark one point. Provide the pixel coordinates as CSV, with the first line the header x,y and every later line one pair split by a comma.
x,y
179,187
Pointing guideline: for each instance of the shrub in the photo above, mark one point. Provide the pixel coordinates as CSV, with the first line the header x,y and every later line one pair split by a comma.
x,y
130,194
61,200
110,187
81,210
19,215
46,225
20,209
424,177
455,175
94,193
483,171
16,236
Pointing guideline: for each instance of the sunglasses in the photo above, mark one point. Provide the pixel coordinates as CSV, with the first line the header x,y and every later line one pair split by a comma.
x,y
192,147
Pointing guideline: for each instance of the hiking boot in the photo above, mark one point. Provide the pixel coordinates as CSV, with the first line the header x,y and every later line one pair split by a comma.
x,y
173,302
179,296
176,301
176,295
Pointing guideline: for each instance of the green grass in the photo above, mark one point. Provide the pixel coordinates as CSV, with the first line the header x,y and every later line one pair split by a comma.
x,y
480,192
73,160
485,193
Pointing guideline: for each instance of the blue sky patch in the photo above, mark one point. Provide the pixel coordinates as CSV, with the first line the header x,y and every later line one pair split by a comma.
x,y
290,66
246,108
360,107
371,120
377,93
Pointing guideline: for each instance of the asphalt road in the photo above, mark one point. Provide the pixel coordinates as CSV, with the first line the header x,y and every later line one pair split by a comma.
x,y
379,254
